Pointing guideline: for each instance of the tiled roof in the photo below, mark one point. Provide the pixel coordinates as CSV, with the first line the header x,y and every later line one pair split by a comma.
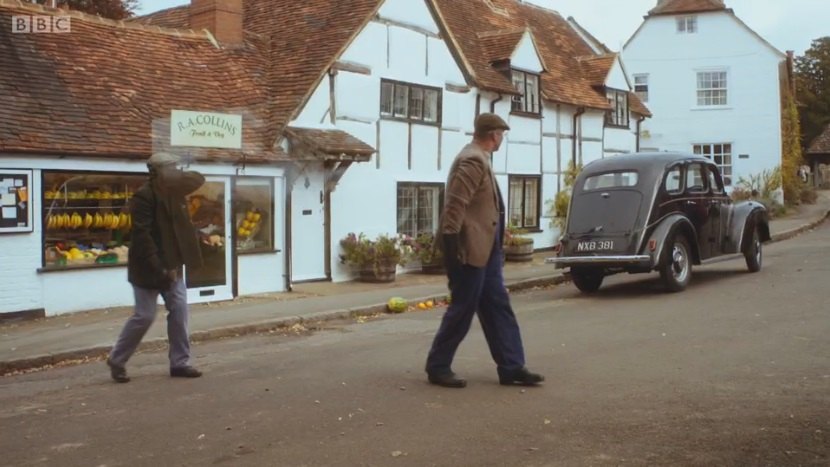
x,y
821,145
595,68
500,45
102,89
301,49
176,18
330,142
679,7
556,40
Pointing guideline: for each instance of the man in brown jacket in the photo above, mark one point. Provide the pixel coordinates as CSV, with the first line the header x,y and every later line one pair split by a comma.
x,y
472,229
162,241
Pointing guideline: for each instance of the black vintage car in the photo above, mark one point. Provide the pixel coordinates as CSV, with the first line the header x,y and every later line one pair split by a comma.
x,y
643,212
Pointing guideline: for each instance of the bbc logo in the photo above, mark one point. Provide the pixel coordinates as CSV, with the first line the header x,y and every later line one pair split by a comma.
x,y
32,24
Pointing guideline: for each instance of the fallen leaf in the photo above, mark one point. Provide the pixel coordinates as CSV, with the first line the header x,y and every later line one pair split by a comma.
x,y
396,453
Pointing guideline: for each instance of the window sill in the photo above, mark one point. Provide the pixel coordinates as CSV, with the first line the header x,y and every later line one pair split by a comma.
x,y
258,251
520,113
409,120
78,267
710,107
618,127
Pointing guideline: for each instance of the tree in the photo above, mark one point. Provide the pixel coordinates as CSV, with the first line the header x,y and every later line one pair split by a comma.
x,y
112,9
813,81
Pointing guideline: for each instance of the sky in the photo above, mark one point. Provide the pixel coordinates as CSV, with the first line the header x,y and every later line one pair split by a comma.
x,y
790,25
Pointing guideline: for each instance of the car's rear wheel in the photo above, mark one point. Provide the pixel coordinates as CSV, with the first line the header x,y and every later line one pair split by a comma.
x,y
753,252
587,280
676,267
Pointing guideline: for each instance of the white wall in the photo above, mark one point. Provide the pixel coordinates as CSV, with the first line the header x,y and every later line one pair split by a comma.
x,y
750,121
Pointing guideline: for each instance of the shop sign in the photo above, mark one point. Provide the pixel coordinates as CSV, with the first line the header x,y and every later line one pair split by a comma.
x,y
15,208
205,129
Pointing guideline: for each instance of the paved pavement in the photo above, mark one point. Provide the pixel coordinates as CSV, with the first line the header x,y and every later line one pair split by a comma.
x,y
88,335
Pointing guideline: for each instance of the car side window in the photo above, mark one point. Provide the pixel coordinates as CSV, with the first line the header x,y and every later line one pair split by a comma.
x,y
695,182
673,178
714,181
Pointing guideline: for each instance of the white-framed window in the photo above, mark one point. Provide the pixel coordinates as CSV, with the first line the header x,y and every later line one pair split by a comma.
x,y
528,85
419,207
523,201
410,102
687,24
711,88
618,115
641,86
720,154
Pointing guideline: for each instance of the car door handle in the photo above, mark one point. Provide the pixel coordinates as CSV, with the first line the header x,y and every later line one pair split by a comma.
x,y
691,203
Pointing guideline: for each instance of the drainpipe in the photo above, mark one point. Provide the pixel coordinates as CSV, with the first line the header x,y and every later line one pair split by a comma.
x,y
640,120
288,189
577,114
478,104
493,104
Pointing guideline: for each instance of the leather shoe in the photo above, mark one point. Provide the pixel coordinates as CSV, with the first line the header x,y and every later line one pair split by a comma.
x,y
118,373
185,372
447,380
522,377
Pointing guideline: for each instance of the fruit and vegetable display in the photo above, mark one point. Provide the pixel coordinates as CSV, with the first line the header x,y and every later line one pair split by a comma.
x,y
86,219
249,225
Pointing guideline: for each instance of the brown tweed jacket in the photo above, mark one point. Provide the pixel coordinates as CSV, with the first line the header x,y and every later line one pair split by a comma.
x,y
471,206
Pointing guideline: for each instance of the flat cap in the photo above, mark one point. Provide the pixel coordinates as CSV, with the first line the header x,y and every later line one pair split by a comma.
x,y
489,122
159,159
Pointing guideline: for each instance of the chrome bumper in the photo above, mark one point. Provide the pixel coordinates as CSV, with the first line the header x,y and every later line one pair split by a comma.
x,y
622,259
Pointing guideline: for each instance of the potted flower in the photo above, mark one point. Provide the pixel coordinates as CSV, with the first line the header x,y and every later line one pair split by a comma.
x,y
428,253
375,260
517,245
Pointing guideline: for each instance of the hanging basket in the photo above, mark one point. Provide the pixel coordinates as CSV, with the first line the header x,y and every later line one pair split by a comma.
x,y
381,273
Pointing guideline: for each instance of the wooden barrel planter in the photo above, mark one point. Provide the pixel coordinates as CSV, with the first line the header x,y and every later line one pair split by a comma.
x,y
521,252
380,274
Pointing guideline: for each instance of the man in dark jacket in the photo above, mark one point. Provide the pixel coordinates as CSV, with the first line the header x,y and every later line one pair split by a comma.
x,y
163,240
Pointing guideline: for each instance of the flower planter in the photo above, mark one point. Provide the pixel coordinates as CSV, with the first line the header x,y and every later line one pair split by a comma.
x,y
380,274
521,253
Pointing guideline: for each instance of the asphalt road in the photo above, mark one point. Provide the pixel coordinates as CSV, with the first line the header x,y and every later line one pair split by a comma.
x,y
733,371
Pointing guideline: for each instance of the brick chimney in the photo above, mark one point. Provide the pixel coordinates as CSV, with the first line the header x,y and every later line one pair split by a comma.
x,y
223,18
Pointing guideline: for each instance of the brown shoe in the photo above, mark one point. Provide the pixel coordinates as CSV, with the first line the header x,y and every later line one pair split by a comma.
x,y
118,373
185,372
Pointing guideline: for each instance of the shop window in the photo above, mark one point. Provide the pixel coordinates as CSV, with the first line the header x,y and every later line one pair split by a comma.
x,y
253,200
419,206
86,219
523,201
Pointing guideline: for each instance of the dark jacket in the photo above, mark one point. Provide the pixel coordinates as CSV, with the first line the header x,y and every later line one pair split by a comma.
x,y
162,238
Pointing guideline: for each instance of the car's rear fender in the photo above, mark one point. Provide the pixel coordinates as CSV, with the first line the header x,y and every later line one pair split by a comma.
x,y
745,216
664,231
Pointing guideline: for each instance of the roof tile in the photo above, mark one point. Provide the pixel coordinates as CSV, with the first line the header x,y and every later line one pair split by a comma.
x,y
675,7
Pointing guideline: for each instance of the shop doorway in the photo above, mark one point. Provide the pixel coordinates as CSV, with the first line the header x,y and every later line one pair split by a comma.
x,y
209,209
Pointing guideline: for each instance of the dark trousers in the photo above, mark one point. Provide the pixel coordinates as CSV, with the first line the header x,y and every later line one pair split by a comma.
x,y
479,290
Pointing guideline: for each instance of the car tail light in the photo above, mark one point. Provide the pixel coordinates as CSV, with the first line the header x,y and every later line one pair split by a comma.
x,y
652,245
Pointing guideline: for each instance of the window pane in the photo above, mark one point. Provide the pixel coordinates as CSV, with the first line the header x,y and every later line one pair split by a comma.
x,y
694,178
431,105
515,201
530,202
252,202
673,180
406,210
427,209
88,212
611,180
401,100
518,102
386,91
416,103
532,94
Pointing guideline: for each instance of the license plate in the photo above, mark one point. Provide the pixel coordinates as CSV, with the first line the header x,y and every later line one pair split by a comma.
x,y
601,245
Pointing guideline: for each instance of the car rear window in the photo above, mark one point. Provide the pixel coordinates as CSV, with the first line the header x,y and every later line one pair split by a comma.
x,y
610,180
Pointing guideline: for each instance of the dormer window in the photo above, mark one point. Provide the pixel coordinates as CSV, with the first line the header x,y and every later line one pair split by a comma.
x,y
618,115
528,99
687,24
